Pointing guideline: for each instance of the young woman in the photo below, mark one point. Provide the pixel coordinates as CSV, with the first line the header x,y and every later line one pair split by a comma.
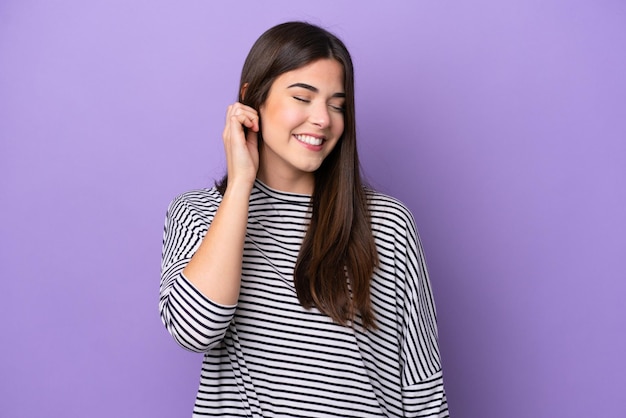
x,y
306,292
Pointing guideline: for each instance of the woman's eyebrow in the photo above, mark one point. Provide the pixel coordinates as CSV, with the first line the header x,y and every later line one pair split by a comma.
x,y
313,89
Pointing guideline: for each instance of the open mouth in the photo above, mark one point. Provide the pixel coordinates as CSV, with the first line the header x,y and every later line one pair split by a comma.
x,y
308,139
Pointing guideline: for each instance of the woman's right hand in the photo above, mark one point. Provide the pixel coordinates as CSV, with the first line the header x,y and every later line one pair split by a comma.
x,y
242,155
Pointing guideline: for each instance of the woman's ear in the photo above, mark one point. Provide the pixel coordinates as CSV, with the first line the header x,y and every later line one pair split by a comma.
x,y
242,93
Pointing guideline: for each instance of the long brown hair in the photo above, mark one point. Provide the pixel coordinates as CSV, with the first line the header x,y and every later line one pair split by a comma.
x,y
338,255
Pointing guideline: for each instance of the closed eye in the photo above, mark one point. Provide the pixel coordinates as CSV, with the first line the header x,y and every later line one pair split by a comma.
x,y
333,107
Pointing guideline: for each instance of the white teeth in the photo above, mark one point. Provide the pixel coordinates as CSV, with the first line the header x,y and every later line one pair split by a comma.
x,y
307,139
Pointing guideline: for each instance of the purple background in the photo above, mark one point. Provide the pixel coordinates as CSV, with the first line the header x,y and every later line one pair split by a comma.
x,y
502,127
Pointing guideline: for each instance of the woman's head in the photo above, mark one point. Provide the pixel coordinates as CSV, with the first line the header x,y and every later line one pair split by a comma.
x,y
291,46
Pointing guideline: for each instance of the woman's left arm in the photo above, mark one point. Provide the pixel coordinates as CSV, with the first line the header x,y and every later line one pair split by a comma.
x,y
423,393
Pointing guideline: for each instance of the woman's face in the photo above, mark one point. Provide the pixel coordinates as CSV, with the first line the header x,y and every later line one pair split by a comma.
x,y
302,121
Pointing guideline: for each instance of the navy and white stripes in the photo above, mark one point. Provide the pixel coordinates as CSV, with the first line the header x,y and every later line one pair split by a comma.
x,y
269,357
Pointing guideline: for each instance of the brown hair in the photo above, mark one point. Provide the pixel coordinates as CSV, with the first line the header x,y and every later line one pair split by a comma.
x,y
338,255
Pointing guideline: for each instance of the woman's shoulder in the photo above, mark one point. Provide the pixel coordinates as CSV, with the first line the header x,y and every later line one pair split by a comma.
x,y
384,206
195,202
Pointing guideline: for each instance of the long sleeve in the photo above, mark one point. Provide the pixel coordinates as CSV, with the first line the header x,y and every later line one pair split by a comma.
x,y
196,323
423,393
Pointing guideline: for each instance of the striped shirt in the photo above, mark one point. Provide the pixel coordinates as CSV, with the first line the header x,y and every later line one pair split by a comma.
x,y
268,356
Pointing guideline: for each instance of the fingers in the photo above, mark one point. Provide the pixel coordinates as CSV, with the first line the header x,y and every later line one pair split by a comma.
x,y
241,147
240,114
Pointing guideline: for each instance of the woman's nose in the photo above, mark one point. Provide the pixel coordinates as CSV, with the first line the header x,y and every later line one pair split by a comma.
x,y
320,115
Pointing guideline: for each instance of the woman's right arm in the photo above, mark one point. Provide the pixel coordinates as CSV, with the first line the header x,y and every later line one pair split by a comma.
x,y
215,269
211,278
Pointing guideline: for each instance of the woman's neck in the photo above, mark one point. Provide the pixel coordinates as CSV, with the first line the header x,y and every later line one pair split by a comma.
x,y
302,183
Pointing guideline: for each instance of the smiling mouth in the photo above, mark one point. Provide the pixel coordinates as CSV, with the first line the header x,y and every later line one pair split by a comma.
x,y
308,139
